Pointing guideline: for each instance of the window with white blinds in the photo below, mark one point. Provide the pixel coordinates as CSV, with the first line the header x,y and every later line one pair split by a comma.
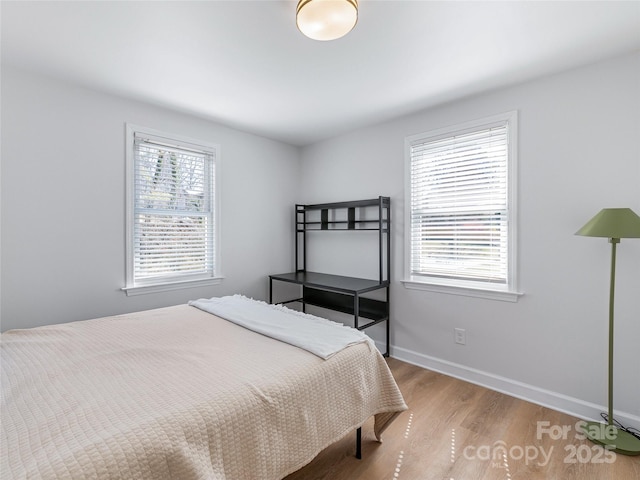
x,y
172,210
460,205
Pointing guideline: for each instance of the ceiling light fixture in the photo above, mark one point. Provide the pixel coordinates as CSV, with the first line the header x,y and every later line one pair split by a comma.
x,y
326,19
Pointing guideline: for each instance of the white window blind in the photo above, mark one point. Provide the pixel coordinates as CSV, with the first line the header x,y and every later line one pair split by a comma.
x,y
459,205
173,230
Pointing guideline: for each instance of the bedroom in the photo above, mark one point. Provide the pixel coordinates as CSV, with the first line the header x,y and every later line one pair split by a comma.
x,y
63,189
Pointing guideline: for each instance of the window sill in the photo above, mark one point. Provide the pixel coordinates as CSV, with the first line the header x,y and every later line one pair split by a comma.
x,y
501,294
165,287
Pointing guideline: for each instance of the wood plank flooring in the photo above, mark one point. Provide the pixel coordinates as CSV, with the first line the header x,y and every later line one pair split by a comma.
x,y
455,430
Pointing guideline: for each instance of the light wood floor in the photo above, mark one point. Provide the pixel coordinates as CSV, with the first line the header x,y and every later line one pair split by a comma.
x,y
455,430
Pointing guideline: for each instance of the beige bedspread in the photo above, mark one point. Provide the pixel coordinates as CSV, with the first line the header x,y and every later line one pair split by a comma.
x,y
177,393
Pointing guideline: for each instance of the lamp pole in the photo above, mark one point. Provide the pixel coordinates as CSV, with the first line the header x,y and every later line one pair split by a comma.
x,y
614,242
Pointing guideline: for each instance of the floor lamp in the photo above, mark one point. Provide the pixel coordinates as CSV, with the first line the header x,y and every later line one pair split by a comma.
x,y
613,223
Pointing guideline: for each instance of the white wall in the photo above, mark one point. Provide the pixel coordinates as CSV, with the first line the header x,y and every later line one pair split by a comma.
x,y
579,151
63,203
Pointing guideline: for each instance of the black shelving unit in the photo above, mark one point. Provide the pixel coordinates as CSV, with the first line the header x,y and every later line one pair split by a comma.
x,y
337,292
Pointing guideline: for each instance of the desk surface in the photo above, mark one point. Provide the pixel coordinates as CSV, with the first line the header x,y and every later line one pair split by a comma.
x,y
330,282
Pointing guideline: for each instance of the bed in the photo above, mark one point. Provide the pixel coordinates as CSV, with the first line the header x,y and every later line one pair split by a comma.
x,y
181,393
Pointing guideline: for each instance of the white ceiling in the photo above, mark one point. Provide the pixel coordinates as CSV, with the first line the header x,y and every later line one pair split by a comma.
x,y
244,64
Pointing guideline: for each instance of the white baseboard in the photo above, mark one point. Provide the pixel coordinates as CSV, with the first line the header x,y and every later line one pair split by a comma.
x,y
546,398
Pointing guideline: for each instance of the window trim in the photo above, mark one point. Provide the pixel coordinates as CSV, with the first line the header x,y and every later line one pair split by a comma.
x,y
131,288
508,292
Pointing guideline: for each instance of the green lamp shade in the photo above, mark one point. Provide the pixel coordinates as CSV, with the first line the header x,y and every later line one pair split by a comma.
x,y
613,223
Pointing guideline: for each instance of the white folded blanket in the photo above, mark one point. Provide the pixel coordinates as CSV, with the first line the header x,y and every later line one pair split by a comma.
x,y
319,336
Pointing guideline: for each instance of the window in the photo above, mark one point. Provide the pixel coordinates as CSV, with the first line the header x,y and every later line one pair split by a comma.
x,y
171,212
460,204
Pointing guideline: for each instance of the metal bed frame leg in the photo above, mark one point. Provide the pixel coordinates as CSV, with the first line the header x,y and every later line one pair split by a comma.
x,y
359,443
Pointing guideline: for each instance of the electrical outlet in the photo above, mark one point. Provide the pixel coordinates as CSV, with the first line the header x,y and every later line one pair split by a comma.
x,y
460,336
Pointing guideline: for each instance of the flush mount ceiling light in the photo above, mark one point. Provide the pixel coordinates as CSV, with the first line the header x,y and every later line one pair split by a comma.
x,y
326,19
